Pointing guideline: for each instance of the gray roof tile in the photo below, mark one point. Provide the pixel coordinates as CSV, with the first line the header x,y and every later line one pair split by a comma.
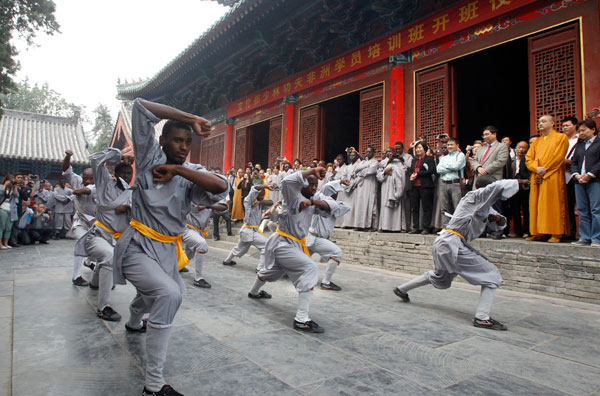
x,y
40,137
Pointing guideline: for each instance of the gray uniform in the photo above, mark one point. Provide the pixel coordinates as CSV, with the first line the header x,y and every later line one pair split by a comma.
x,y
364,180
250,236
149,265
283,255
452,253
193,241
98,243
85,205
273,180
393,189
45,197
63,208
321,228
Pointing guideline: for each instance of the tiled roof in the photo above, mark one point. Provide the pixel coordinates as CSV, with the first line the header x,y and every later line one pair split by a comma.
x,y
39,137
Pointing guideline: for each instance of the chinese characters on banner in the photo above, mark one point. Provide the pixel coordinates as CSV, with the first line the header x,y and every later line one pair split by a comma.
x,y
451,20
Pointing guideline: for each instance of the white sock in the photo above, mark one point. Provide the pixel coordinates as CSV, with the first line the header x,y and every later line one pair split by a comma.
x,y
229,257
256,287
419,281
77,265
486,298
199,265
331,267
303,305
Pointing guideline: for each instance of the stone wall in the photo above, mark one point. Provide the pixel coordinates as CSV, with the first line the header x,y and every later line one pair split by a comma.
x,y
555,270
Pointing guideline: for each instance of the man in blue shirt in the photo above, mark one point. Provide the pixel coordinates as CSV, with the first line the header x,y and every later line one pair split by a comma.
x,y
450,169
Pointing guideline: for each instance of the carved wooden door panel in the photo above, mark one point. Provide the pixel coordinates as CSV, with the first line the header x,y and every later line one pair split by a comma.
x,y
275,126
371,120
311,134
241,139
434,103
555,75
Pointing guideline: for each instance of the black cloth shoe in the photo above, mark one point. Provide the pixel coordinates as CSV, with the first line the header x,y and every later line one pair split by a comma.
x,y
202,283
489,324
89,264
93,287
44,243
108,314
401,294
216,238
425,232
229,263
80,282
309,327
261,294
230,234
140,330
184,269
330,286
414,232
167,390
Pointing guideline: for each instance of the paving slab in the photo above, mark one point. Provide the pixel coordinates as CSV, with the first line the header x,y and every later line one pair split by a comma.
x,y
560,374
223,343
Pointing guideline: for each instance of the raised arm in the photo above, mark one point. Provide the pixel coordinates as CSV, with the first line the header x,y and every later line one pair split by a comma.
x,y
200,125
205,180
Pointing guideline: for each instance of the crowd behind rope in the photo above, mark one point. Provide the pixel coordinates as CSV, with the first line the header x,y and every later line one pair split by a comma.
x,y
416,189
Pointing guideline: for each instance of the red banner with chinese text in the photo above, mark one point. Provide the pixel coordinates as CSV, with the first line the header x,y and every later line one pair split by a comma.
x,y
451,20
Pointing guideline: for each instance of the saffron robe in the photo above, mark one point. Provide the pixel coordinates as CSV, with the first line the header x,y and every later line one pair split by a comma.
x,y
547,201
237,208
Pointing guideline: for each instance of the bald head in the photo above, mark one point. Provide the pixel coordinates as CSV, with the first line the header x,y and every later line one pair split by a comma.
x,y
87,176
546,124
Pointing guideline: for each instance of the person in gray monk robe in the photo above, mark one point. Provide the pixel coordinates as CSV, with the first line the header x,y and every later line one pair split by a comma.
x,y
392,176
63,209
150,251
113,212
321,229
84,200
254,206
286,251
453,255
194,237
364,179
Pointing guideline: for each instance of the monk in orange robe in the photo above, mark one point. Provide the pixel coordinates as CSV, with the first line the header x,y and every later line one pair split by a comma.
x,y
547,198
237,208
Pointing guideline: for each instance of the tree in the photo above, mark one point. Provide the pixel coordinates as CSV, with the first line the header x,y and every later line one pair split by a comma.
x,y
26,18
103,128
42,100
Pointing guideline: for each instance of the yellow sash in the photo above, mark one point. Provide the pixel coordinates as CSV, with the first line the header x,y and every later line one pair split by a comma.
x,y
114,234
203,232
293,238
454,232
257,229
182,259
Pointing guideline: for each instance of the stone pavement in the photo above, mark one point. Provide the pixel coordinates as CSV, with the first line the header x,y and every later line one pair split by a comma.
x,y
51,342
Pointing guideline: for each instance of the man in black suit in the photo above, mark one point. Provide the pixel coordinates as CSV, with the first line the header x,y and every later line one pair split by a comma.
x,y
421,193
585,167
519,203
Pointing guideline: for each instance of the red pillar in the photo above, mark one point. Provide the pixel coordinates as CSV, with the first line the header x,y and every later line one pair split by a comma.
x,y
228,145
288,131
397,105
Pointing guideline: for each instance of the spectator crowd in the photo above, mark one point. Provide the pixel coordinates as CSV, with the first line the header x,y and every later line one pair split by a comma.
x,y
417,190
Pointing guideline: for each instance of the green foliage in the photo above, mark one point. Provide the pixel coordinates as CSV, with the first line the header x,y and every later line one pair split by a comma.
x,y
103,128
42,100
25,18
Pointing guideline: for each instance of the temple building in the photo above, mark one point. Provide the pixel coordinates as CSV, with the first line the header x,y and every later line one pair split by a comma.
x,y
308,78
36,143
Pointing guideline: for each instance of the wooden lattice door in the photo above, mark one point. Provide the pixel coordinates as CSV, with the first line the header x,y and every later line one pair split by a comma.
x,y
371,120
555,75
241,148
311,134
211,153
434,103
275,125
